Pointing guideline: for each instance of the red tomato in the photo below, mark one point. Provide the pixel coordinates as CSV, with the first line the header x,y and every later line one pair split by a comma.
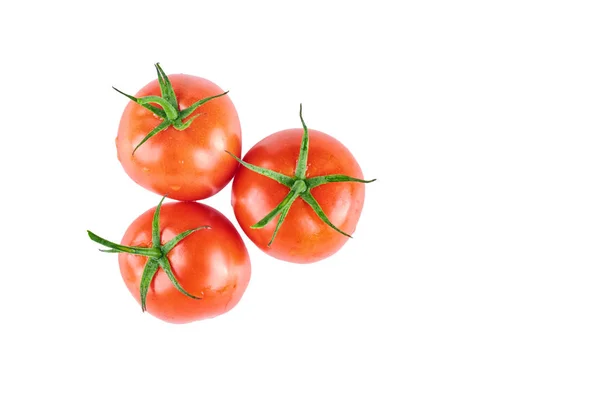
x,y
190,164
303,236
211,264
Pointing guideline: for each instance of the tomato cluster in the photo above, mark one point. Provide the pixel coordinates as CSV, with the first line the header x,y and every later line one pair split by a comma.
x,y
180,137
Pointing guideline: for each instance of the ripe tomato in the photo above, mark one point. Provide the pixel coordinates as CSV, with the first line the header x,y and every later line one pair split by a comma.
x,y
317,224
206,272
184,163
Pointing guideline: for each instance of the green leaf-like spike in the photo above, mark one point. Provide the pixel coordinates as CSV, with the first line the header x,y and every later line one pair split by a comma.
x,y
186,112
170,111
310,200
276,176
166,266
157,111
321,180
288,200
147,276
156,224
118,248
175,240
284,213
166,89
161,127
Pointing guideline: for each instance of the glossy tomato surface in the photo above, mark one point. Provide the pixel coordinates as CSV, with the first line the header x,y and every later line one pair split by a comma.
x,y
184,165
303,237
212,264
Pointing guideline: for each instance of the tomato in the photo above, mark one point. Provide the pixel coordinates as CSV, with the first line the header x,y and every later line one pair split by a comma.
x,y
204,274
183,162
314,192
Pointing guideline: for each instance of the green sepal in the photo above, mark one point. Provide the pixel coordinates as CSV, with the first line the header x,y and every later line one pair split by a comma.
x,y
180,126
166,89
165,265
276,176
118,248
167,112
156,110
161,127
288,200
175,240
310,200
148,274
186,112
284,213
321,180
171,112
156,224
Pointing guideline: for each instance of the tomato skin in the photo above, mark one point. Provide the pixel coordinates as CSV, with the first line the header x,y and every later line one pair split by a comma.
x,y
303,237
183,165
211,263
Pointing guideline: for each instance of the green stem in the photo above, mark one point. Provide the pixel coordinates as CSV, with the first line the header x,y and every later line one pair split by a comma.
x,y
303,156
299,187
170,107
157,255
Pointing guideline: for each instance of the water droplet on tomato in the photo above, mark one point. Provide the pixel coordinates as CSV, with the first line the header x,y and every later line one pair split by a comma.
x,y
145,169
175,187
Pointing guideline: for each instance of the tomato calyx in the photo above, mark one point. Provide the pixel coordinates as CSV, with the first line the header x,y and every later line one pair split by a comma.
x,y
157,255
299,186
169,107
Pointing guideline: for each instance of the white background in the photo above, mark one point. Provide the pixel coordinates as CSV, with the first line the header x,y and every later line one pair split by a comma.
x,y
475,266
